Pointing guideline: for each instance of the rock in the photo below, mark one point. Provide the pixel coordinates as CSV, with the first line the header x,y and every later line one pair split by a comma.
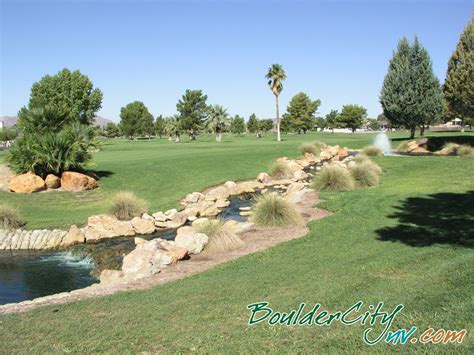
x,y
143,226
230,186
170,213
123,228
178,219
245,213
264,178
147,216
138,240
26,183
420,150
194,242
411,146
199,222
422,141
141,261
297,196
247,187
207,209
192,218
52,181
107,226
110,276
73,181
192,198
342,153
300,175
179,253
221,203
240,227
217,193
73,236
296,186
159,216
247,208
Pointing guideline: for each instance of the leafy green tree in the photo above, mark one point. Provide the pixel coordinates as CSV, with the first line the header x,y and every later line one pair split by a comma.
x,y
321,123
252,124
172,127
458,86
217,120
8,134
286,124
352,116
111,130
373,124
133,118
71,96
159,126
193,111
411,95
332,120
301,110
266,125
147,125
238,125
275,76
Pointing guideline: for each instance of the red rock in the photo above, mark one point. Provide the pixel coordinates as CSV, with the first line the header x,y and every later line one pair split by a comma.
x,y
73,181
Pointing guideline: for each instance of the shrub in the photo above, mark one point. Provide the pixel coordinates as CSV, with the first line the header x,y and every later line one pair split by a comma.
x,y
274,210
465,151
125,205
449,149
52,152
372,151
403,147
309,148
365,175
9,217
320,145
280,170
222,237
334,178
361,158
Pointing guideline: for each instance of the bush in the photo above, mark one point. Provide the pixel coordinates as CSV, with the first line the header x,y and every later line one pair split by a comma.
x,y
334,178
274,210
365,175
372,151
465,151
53,152
222,237
9,217
309,148
361,158
280,170
450,149
319,145
125,205
403,147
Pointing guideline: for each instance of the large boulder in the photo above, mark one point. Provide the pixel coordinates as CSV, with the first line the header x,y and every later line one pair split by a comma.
x,y
73,236
189,239
26,183
192,198
143,226
217,193
264,178
52,181
74,181
173,220
107,226
300,175
110,276
342,153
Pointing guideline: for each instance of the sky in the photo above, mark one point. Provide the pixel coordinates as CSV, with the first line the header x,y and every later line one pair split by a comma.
x,y
152,51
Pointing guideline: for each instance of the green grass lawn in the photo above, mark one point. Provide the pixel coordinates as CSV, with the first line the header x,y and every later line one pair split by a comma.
x,y
407,241
162,172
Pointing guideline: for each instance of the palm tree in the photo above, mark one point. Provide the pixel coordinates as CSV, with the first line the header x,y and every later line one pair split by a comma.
x,y
217,120
173,127
275,77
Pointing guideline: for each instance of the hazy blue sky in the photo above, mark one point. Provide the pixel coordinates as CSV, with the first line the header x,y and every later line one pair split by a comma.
x,y
337,51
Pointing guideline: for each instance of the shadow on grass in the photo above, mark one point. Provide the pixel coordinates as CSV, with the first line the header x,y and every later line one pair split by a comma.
x,y
443,218
437,142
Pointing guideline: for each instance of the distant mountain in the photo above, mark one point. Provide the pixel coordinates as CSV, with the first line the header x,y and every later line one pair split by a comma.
x,y
9,121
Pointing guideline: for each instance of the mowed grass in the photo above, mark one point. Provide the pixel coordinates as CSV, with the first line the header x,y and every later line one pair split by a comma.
x,y
407,241
161,172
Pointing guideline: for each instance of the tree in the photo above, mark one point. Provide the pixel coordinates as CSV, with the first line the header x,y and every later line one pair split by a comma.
x,y
332,120
275,76
172,127
352,116
458,86
252,124
301,110
135,119
373,124
217,120
111,130
8,134
322,123
71,96
193,111
411,95
159,126
266,125
286,123
238,125
147,125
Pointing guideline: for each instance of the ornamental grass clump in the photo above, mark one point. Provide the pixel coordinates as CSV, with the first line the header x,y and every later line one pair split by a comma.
x,y
9,217
281,170
309,148
403,147
361,158
372,151
365,175
222,237
125,205
274,211
334,178
465,151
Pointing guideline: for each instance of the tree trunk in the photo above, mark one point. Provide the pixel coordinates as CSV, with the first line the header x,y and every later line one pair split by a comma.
x,y
353,129
422,130
412,132
178,138
277,119
218,134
